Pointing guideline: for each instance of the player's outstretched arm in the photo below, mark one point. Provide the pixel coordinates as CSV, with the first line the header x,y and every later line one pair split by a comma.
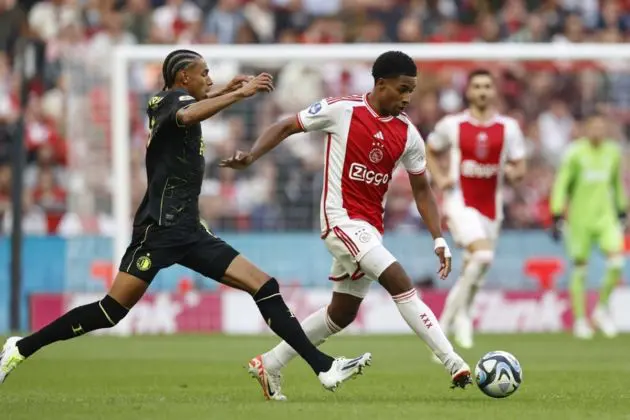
x,y
621,199
426,203
560,189
560,192
236,83
202,110
427,206
268,140
438,154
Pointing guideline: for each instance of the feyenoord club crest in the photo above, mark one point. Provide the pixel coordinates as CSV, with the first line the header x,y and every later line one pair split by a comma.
x,y
376,154
481,149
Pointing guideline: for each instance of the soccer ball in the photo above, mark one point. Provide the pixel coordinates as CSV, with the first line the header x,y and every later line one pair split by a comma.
x,y
498,374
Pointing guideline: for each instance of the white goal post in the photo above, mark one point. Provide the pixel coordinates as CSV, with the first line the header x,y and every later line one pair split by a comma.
x,y
275,55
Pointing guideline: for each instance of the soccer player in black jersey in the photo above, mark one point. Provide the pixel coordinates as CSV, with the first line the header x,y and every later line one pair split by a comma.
x,y
167,228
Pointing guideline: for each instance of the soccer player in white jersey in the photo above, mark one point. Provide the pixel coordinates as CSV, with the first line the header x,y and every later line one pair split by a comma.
x,y
367,136
469,154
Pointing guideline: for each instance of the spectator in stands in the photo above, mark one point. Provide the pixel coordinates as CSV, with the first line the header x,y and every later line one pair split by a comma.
x,y
224,22
47,18
488,29
12,18
372,32
409,30
260,16
573,30
40,130
137,19
173,19
534,31
8,106
50,197
103,42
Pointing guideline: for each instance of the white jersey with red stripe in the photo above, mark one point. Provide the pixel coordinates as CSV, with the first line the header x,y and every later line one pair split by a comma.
x,y
362,151
479,151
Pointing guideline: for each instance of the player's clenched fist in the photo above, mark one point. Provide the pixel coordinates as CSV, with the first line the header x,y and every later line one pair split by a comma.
x,y
261,83
556,228
240,160
444,254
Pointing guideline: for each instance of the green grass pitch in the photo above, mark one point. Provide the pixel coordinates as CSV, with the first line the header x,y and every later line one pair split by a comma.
x,y
203,377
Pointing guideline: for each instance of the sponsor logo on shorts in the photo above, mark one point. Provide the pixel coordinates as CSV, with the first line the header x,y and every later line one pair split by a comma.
x,y
364,237
143,263
360,172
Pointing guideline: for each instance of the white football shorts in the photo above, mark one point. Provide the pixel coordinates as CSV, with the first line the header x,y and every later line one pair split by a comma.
x,y
359,257
467,225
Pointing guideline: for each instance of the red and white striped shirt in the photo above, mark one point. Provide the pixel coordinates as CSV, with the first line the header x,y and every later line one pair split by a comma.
x,y
479,151
362,151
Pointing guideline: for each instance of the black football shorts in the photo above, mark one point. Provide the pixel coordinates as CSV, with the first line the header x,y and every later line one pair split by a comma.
x,y
156,247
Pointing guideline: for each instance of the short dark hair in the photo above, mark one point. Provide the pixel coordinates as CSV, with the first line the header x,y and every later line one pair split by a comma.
x,y
174,62
479,72
393,64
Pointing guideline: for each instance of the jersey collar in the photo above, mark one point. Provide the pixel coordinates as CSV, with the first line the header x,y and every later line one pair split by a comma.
x,y
373,111
474,121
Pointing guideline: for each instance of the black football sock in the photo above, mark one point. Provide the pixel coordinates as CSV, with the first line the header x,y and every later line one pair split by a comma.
x,y
102,314
281,321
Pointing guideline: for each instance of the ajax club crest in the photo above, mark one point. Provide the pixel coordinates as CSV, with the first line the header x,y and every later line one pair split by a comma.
x,y
376,154
481,146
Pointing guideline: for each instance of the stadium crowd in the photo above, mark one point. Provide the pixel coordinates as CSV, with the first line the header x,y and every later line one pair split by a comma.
x,y
66,117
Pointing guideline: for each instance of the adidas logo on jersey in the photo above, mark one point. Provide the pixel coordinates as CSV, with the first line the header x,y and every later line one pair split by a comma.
x,y
379,136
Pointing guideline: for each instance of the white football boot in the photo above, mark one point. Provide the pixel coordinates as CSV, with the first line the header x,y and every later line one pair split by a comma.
x,y
459,370
603,321
10,357
270,381
582,330
343,369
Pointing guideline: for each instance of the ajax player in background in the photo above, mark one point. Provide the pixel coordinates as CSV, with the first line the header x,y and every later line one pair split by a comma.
x,y
469,155
367,136
589,185
167,229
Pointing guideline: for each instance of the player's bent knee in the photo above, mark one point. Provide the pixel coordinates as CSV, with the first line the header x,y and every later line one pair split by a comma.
x,y
483,256
113,311
395,280
342,318
376,261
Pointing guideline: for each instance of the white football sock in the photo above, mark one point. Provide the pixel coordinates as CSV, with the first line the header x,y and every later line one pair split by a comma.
x,y
318,327
424,323
461,295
